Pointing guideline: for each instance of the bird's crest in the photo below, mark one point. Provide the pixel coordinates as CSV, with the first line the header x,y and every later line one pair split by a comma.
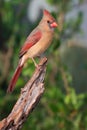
x,y
48,14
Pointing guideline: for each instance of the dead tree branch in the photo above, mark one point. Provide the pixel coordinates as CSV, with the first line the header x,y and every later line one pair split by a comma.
x,y
29,97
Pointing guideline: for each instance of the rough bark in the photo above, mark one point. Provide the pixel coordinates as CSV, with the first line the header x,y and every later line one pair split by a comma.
x,y
27,101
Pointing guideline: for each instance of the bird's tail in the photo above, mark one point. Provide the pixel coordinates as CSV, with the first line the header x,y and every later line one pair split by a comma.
x,y
14,78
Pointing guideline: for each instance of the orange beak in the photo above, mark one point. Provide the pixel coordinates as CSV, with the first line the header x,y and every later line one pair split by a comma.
x,y
54,25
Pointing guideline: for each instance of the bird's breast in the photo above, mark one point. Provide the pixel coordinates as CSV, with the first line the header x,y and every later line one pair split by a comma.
x,y
41,45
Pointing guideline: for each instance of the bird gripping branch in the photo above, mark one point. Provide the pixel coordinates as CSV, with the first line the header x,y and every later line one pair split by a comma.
x,y
36,43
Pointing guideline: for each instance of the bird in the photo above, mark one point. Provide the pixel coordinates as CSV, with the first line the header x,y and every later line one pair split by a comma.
x,y
36,44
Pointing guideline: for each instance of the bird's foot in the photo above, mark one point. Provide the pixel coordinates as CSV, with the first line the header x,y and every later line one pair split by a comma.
x,y
36,65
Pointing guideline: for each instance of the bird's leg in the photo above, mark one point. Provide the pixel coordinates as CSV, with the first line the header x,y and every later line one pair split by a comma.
x,y
36,65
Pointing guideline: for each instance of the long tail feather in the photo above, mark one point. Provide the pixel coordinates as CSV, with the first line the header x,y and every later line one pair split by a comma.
x,y
14,78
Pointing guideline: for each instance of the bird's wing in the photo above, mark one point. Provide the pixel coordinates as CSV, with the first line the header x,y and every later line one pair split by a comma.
x,y
32,39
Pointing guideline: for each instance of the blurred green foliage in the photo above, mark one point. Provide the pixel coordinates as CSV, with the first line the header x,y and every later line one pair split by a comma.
x,y
60,106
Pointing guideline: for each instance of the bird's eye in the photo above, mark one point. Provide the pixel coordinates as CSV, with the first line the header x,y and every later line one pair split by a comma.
x,y
48,21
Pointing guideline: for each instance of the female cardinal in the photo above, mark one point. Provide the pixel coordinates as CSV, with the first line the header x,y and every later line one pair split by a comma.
x,y
36,43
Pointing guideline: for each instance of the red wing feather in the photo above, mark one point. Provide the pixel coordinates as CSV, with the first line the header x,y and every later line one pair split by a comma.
x,y
32,39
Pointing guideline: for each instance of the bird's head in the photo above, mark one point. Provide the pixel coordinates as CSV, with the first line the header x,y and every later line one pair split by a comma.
x,y
48,22
49,19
